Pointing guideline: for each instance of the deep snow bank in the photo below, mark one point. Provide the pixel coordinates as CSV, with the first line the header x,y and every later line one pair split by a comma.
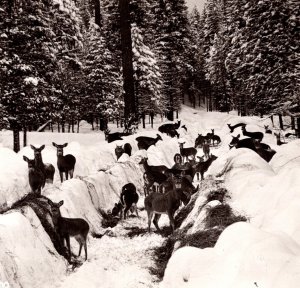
x,y
262,253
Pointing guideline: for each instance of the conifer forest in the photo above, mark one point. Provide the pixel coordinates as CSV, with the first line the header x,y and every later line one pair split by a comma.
x,y
62,61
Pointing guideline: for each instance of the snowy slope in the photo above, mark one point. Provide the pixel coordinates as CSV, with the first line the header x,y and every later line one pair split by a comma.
x,y
245,254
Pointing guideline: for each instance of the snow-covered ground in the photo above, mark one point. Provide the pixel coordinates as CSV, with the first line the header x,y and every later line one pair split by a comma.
x,y
262,253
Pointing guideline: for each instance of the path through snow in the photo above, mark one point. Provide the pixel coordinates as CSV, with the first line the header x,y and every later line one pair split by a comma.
x,y
116,260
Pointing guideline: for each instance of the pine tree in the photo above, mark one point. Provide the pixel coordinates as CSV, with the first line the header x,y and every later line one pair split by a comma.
x,y
147,76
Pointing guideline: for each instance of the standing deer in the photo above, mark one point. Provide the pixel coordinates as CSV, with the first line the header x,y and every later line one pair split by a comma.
x,y
206,150
119,150
69,227
267,130
47,168
235,126
186,152
36,176
65,164
167,203
254,135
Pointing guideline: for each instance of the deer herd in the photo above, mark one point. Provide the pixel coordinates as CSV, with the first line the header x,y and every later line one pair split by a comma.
x,y
165,188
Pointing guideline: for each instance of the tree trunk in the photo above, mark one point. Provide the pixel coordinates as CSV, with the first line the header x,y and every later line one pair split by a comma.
x,y
170,115
103,124
58,127
126,44
16,139
24,136
280,121
143,120
97,12
292,123
69,127
62,127
78,123
298,127
152,118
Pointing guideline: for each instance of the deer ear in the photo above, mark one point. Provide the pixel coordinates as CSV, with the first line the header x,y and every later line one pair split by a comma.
x,y
60,203
65,145
238,136
42,147
32,147
25,158
54,144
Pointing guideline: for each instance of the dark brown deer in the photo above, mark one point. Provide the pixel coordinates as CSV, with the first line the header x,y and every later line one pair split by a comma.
x,y
47,168
128,201
254,135
152,168
127,149
69,227
119,151
167,203
232,127
266,154
199,140
206,150
186,152
242,143
65,163
110,137
145,142
202,167
166,128
36,176
150,178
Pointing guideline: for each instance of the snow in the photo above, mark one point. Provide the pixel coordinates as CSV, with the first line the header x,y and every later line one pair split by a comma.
x,y
262,252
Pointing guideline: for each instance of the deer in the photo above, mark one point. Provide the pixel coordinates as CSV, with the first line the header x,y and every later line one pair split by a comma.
x,y
166,128
255,135
127,149
279,142
35,175
128,200
264,153
242,143
110,137
69,227
145,142
152,168
47,168
185,184
213,137
199,140
206,150
167,203
267,130
152,178
232,127
202,167
172,133
186,152
119,151
65,163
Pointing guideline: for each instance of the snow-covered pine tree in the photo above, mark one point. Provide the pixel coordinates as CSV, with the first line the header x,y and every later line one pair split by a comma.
x,y
27,63
67,25
260,57
146,75
104,92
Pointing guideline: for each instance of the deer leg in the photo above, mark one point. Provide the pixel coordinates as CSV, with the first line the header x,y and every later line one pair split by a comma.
x,y
85,249
172,222
69,247
150,214
155,221
67,175
125,211
202,176
80,247
61,174
71,173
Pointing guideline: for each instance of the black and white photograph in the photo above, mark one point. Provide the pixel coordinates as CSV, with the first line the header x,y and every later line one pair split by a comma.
x,y
149,143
